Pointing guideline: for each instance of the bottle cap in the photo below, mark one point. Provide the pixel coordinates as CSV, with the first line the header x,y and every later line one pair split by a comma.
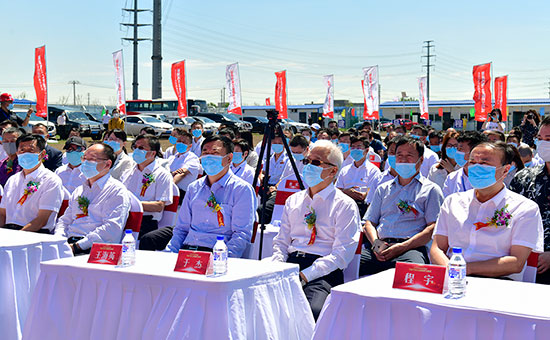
x,y
128,231
219,238
457,250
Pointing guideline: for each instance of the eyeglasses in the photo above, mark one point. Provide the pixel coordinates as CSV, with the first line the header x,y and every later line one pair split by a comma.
x,y
315,162
94,160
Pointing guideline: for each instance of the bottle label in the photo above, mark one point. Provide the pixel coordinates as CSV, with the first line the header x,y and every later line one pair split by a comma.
x,y
457,273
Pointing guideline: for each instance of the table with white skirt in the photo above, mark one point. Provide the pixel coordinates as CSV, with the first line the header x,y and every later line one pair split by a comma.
x,y
369,308
255,300
20,255
267,250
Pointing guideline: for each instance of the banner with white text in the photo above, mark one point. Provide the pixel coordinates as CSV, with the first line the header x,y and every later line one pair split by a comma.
x,y
328,107
370,92
233,80
423,97
501,97
482,94
40,82
180,88
119,82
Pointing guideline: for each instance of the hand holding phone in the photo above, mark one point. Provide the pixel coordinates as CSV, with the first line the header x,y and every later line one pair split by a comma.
x,y
379,246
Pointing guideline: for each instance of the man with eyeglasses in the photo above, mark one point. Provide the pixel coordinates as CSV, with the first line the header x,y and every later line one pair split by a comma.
x,y
219,203
33,196
400,220
319,227
149,181
98,209
70,173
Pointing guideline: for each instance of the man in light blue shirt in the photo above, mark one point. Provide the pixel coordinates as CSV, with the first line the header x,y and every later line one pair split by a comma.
x,y
402,214
218,204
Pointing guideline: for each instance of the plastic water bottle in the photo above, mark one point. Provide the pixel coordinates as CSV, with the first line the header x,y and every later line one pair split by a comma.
x,y
220,257
128,249
457,274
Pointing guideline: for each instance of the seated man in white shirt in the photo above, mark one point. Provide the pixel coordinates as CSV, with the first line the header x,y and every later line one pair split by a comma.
x,y
197,130
239,164
430,158
357,179
99,208
496,228
184,165
402,214
344,142
319,228
299,146
70,173
457,181
33,196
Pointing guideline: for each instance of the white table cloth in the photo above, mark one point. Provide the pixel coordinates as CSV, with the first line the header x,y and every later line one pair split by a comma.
x,y
20,256
255,300
269,234
369,308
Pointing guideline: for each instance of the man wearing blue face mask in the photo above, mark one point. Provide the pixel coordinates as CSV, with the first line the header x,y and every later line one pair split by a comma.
x,y
497,228
184,165
98,209
149,181
70,173
123,163
344,142
33,196
358,179
219,203
402,214
53,159
435,140
10,165
239,166
430,158
299,146
319,227
197,131
458,181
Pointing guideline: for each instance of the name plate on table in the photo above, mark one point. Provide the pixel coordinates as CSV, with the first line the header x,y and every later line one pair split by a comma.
x,y
194,262
103,253
420,277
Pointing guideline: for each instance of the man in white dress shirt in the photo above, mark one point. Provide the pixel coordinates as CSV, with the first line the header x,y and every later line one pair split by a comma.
x,y
277,161
496,228
344,142
430,157
238,165
299,146
184,164
197,130
99,208
70,173
33,196
319,228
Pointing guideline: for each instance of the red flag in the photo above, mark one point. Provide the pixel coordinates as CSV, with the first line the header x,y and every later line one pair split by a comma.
x,y
178,82
267,102
440,112
40,82
501,86
353,112
280,95
482,94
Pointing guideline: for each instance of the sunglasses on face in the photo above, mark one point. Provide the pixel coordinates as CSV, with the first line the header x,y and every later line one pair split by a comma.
x,y
315,162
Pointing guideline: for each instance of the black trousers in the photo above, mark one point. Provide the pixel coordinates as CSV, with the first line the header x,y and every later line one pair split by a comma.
x,y
156,239
317,290
268,212
182,195
371,265
148,224
74,239
19,227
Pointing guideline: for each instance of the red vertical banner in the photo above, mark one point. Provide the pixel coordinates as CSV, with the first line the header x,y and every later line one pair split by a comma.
x,y
501,87
267,102
178,82
370,92
440,112
482,94
40,82
353,112
280,95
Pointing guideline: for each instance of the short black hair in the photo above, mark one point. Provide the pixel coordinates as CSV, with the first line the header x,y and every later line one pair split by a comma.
x,y
14,130
230,133
394,140
40,141
422,128
227,143
243,144
120,134
197,122
344,134
334,132
153,143
40,125
108,153
418,145
179,130
435,134
545,121
299,140
148,130
473,138
305,129
364,140
9,122
509,152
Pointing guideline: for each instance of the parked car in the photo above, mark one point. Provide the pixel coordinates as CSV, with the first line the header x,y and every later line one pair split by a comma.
x,y
208,124
78,119
258,123
160,116
374,122
133,124
34,119
228,119
294,126
94,116
181,122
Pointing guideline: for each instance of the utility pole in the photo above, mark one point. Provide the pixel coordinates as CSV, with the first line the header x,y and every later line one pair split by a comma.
x,y
428,45
157,51
74,82
135,41
88,98
548,88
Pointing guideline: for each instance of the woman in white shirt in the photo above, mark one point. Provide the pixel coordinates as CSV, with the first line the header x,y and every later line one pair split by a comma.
x,y
493,121
439,171
116,139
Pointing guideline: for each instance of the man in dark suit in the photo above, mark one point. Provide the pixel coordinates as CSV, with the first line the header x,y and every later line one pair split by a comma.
x,y
53,156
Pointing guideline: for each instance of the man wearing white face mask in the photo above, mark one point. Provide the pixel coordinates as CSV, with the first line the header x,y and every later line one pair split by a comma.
x,y
319,227
184,165
496,228
10,165
70,173
219,203
149,181
33,196
98,209
401,217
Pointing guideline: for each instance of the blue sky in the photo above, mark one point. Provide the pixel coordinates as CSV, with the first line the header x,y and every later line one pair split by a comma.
x,y
307,38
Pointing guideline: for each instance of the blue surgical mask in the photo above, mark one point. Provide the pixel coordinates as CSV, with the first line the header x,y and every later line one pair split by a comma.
x,y
10,107
415,136
173,140
75,157
89,169
139,156
28,160
406,170
460,159
514,144
197,133
276,148
237,157
435,148
288,140
392,161
212,164
481,176
334,141
357,154
312,175
344,147
0,138
114,145
528,164
512,168
451,152
181,148
298,156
